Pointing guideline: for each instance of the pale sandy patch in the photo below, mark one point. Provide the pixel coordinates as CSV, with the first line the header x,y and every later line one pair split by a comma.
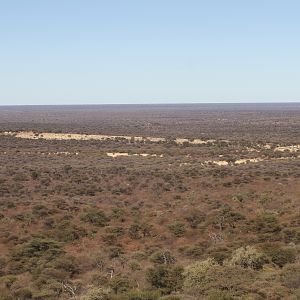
x,y
99,137
180,141
293,148
122,154
248,160
217,162
79,137
267,146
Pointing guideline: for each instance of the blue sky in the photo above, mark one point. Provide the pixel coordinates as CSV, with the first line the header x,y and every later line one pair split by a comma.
x,y
149,51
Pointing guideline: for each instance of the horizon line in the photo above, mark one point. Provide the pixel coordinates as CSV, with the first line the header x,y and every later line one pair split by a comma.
x,y
152,103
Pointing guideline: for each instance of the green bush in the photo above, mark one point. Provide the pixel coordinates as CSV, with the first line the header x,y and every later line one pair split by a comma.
x,y
204,277
40,211
96,293
115,252
220,254
35,254
266,223
8,280
139,295
247,257
2,265
95,216
290,276
195,217
192,251
281,256
120,284
220,295
135,231
67,263
162,257
166,278
134,266
44,295
169,297
23,293
177,228
67,232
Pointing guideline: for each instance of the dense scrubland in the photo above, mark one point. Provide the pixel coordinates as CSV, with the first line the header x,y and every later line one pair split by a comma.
x,y
76,223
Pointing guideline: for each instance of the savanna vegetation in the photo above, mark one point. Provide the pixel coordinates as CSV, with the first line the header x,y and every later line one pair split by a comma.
x,y
77,224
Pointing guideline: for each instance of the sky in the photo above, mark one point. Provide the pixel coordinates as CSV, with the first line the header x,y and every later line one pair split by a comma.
x,y
149,51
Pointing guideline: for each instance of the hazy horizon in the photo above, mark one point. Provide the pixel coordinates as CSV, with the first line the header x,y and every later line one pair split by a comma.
x,y
163,104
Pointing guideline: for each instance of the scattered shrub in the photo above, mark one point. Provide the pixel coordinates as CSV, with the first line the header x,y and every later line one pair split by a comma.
x,y
120,284
177,228
96,293
35,254
247,257
162,257
290,276
266,223
203,277
139,295
281,256
166,278
95,216
195,217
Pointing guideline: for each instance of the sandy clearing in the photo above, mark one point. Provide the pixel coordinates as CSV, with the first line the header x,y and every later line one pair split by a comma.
x,y
76,136
223,163
217,162
122,154
248,160
181,141
267,146
87,137
293,148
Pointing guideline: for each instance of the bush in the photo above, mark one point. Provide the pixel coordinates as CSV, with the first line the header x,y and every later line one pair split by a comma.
x,y
67,263
169,297
96,293
120,284
95,216
8,280
204,277
40,211
134,266
266,223
139,295
220,254
195,217
167,278
23,293
38,247
199,277
67,232
177,228
192,251
281,256
220,295
115,252
135,231
162,257
2,265
290,276
35,254
247,257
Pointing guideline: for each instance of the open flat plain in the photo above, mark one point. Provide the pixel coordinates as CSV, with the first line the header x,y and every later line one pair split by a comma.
x,y
147,202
